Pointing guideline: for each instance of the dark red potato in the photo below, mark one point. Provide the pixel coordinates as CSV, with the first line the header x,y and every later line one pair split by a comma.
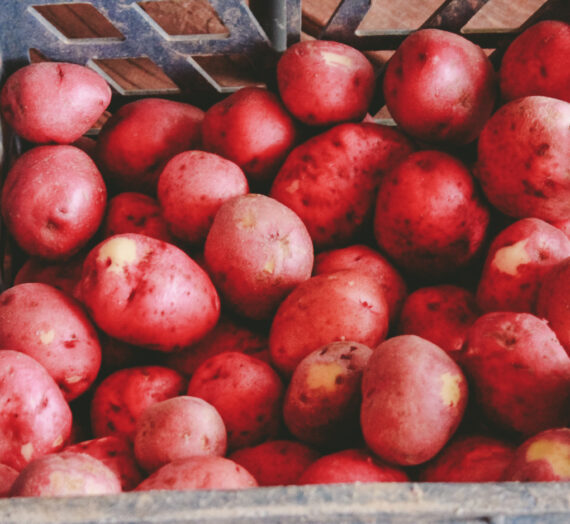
x,y
429,218
7,477
516,262
276,462
53,201
251,128
522,160
441,314
351,465
440,87
323,82
537,62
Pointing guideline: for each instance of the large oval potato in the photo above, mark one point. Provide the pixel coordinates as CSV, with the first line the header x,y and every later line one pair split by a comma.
x,y
148,293
413,399
54,101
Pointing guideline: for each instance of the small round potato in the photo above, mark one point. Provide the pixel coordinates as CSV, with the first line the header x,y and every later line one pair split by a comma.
x,y
178,428
199,472
57,102
65,474
147,292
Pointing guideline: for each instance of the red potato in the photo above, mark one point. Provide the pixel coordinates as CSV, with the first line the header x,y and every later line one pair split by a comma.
x,y
323,396
518,371
54,101
247,393
191,189
351,465
63,275
544,457
276,462
178,428
470,458
133,212
252,129
65,474
120,399
7,477
516,262
35,418
364,258
413,399
429,217
522,161
441,314
51,327
227,335
563,225
553,301
200,472
117,454
537,62
324,82
346,305
440,87
256,252
330,180
53,201
135,144
148,293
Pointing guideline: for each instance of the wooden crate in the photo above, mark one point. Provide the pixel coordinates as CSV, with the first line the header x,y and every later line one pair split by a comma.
x,y
198,51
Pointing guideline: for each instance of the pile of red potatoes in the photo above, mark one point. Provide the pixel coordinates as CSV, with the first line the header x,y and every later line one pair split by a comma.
x,y
279,290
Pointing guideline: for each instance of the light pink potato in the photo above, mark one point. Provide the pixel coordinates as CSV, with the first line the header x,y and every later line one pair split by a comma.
x,y
413,398
276,462
178,428
440,87
537,62
191,189
430,219
53,201
7,477
117,454
200,472
563,225
330,180
63,275
256,252
148,293
35,419
364,258
518,372
323,397
228,335
522,160
246,392
553,301
135,144
351,465
324,82
65,474
133,212
441,314
54,101
120,399
252,128
470,458
544,457
346,305
51,327
516,262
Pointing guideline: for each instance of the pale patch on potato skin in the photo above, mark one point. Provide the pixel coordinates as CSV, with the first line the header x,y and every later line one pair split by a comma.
x,y
450,391
27,451
509,258
119,252
556,453
321,375
47,337
336,59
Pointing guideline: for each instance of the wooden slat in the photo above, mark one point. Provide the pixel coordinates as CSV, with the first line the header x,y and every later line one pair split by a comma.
x,y
229,71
